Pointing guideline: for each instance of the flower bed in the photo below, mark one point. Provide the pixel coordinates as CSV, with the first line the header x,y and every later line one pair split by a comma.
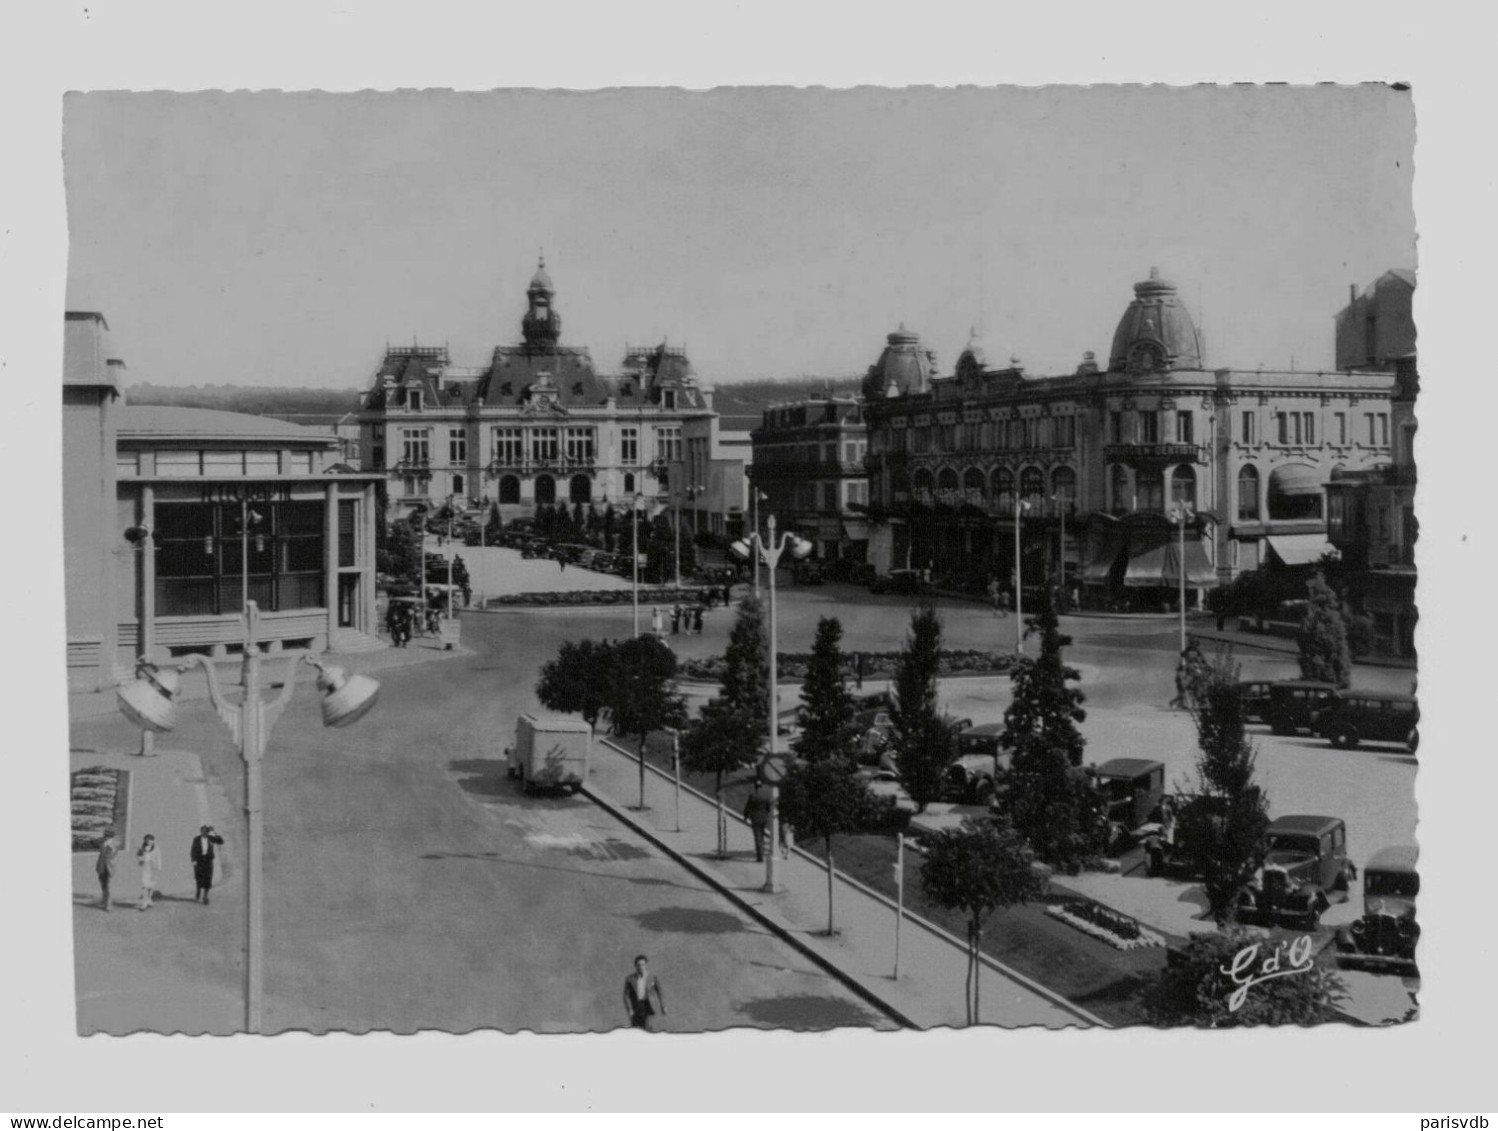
x,y
876,665
99,799
668,596
1118,931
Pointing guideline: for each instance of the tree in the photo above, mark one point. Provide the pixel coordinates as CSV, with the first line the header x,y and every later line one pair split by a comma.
x,y
722,740
579,679
642,694
1324,654
827,729
923,742
1048,795
979,868
746,663
1197,986
403,552
1223,827
822,799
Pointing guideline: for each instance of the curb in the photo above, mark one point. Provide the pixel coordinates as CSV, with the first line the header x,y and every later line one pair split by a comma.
x,y
946,936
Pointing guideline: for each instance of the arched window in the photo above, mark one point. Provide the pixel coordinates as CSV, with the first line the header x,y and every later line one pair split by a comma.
x,y
1003,489
1064,485
457,484
1149,490
972,482
580,490
546,489
629,483
921,481
1183,485
1032,485
899,483
1119,493
509,489
1248,492
947,480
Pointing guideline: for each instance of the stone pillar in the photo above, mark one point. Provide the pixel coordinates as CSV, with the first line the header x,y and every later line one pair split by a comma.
x,y
147,608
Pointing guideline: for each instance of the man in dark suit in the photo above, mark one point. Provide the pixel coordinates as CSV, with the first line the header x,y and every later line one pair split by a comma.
x,y
203,856
639,988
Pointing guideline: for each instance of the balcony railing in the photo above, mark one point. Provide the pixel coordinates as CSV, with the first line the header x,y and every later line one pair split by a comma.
x,y
552,464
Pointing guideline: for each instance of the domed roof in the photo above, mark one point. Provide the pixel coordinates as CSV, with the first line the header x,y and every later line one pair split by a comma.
x,y
1156,331
541,281
903,367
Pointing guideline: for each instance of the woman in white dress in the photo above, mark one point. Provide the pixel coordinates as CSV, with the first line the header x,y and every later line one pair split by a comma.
x,y
149,859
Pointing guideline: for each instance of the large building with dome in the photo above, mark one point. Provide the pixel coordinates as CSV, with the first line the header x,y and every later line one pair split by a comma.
x,y
1093,462
537,424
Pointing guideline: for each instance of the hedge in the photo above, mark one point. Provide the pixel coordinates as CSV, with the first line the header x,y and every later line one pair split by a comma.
x,y
876,665
669,596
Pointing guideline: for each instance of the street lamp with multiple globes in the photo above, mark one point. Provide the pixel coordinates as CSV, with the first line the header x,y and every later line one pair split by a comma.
x,y
1020,507
771,552
149,701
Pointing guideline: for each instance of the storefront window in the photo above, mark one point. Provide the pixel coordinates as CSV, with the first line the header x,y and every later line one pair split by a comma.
x,y
199,568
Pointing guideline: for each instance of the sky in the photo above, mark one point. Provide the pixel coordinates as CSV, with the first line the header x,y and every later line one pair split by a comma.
x,y
284,239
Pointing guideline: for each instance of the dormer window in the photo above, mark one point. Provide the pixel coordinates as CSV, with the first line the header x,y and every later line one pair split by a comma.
x,y
413,399
577,388
506,390
627,391
668,398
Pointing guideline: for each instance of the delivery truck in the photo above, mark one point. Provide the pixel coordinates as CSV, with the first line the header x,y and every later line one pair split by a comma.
x,y
549,753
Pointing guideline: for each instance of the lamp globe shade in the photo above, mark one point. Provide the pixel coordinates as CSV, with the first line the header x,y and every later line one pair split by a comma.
x,y
148,700
800,547
739,549
346,698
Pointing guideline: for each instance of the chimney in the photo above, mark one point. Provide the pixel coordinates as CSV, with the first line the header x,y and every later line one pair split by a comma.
x,y
1352,292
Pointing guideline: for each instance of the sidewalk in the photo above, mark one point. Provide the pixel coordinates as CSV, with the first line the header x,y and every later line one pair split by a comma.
x,y
933,965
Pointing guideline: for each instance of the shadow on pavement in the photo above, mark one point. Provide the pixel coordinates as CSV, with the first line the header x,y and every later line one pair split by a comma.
x,y
806,1011
496,858
690,921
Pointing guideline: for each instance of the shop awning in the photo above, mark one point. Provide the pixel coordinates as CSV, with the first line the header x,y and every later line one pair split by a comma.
x,y
856,530
1299,549
1156,561
1296,479
1104,545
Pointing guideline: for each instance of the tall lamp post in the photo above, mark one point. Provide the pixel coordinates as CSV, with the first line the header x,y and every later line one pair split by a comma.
x,y
635,556
758,495
149,702
1020,507
767,549
691,493
1181,513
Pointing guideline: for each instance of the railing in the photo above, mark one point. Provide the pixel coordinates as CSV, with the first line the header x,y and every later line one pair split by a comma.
x,y
534,466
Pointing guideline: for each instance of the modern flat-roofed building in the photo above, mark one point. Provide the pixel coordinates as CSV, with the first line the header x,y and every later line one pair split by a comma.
x,y
207,486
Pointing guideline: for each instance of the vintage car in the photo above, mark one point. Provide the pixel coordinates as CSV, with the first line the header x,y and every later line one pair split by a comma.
x,y
903,581
1370,716
1305,871
875,728
1384,938
1295,703
1135,790
1254,694
980,765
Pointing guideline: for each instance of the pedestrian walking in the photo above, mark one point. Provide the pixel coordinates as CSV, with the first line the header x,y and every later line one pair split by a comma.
x,y
727,594
148,856
993,594
1005,600
561,562
675,619
757,813
697,620
203,858
639,988
657,625
104,866
858,668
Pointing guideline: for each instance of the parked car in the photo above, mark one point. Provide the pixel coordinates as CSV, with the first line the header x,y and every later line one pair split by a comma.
x,y
1254,694
861,573
1370,716
1295,703
875,728
1305,871
1384,938
808,573
903,581
1134,789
